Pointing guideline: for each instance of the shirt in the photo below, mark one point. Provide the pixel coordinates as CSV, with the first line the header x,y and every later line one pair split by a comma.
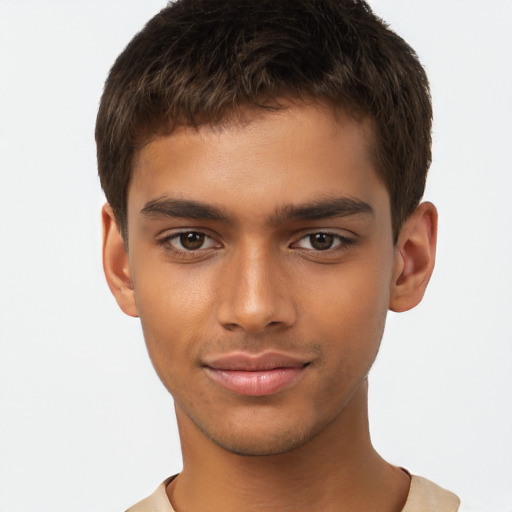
x,y
424,496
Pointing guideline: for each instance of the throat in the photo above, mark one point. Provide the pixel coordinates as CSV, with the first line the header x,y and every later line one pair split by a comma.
x,y
337,469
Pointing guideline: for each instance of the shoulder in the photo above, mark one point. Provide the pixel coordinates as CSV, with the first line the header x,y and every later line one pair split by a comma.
x,y
157,502
426,496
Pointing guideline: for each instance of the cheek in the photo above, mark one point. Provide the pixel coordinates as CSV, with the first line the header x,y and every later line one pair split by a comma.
x,y
349,312
170,298
348,293
174,310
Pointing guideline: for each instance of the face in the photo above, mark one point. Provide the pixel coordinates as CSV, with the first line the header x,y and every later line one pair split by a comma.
x,y
261,258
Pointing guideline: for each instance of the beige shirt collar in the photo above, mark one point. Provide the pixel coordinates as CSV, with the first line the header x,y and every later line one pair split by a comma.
x,y
424,496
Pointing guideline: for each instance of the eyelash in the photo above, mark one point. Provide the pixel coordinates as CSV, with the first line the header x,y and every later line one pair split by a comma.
x,y
343,242
166,243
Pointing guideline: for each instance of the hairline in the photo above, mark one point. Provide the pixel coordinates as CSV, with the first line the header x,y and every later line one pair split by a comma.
x,y
243,114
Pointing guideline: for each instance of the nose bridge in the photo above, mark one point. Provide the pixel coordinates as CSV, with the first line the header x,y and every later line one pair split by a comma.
x,y
253,298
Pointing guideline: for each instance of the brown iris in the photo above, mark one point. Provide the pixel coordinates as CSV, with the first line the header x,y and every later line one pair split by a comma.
x,y
321,241
192,240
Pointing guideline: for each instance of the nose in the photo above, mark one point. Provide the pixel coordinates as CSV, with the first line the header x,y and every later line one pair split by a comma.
x,y
255,293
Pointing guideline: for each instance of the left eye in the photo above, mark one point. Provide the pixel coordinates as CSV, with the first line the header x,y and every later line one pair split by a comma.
x,y
191,241
320,241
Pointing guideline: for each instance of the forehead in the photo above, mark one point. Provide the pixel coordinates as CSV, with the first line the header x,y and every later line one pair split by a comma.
x,y
299,154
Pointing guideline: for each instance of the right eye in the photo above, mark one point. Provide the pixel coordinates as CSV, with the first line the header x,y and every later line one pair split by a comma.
x,y
188,241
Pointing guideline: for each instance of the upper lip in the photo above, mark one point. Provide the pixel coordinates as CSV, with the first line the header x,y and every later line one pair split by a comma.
x,y
245,361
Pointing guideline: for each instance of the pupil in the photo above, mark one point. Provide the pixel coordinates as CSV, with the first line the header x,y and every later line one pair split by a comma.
x,y
192,240
321,241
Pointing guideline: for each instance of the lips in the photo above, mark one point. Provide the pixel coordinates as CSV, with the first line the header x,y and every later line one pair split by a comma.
x,y
256,375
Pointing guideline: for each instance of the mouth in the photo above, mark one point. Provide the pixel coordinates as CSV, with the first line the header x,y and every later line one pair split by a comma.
x,y
256,374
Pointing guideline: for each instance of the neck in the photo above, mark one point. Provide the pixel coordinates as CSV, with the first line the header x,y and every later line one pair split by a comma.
x,y
336,470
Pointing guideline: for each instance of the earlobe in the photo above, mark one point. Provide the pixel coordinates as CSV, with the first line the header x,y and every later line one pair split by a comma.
x,y
414,258
116,264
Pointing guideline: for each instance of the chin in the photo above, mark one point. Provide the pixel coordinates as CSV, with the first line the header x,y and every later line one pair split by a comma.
x,y
260,442
261,447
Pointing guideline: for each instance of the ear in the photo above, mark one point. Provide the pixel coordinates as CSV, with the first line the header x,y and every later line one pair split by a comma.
x,y
415,255
116,264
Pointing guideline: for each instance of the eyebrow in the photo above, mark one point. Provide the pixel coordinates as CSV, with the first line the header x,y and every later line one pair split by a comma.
x,y
324,209
182,208
315,210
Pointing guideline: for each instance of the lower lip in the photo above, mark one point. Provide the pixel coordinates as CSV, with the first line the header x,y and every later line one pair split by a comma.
x,y
257,383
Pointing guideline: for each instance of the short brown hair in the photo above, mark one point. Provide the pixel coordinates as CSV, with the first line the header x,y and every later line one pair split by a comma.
x,y
198,61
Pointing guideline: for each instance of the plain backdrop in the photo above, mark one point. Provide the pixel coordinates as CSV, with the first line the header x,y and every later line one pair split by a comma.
x,y
85,424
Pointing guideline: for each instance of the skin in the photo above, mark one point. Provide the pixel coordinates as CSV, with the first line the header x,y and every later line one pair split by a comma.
x,y
226,255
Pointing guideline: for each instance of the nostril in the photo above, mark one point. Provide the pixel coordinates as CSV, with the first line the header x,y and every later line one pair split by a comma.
x,y
231,327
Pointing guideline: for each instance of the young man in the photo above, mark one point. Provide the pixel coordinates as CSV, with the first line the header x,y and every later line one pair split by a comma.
x,y
264,164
